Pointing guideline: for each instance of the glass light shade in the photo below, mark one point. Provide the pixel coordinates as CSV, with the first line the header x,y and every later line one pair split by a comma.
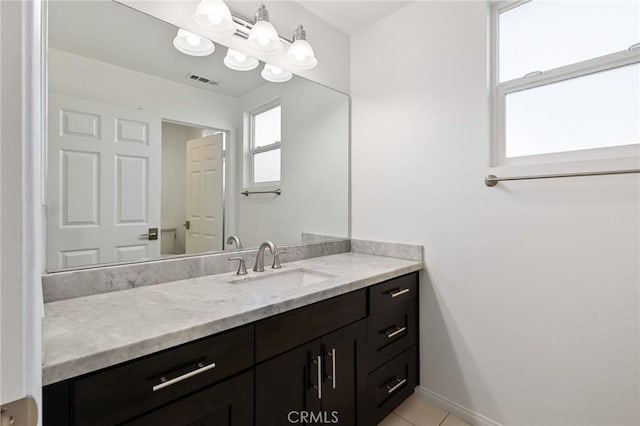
x,y
300,54
214,16
264,37
239,61
192,44
275,74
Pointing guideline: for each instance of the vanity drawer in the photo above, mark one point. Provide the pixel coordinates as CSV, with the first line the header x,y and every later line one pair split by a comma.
x,y
392,293
390,385
123,392
229,403
286,331
390,333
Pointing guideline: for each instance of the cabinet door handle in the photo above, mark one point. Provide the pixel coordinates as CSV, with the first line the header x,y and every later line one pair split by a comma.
x,y
166,383
392,334
398,385
333,375
318,363
399,292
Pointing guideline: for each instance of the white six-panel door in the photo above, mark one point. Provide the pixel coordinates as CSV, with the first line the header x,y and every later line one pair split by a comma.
x,y
103,187
204,194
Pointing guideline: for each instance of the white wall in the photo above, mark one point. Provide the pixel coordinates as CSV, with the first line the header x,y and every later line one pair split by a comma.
x,y
315,167
20,209
68,75
529,305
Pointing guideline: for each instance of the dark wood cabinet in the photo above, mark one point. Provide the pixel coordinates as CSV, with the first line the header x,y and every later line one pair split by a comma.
x,y
120,393
392,332
348,360
315,380
229,403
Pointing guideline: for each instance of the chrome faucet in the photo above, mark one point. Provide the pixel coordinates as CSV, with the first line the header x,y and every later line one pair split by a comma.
x,y
260,257
233,239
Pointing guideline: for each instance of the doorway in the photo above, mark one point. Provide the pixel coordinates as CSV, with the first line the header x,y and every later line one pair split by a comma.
x,y
193,187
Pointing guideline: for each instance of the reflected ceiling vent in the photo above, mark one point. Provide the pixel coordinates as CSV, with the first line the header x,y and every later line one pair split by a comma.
x,y
201,79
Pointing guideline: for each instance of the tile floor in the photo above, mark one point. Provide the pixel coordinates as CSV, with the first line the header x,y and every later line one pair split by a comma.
x,y
417,411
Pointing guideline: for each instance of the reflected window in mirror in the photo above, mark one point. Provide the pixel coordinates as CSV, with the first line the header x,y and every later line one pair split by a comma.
x,y
265,137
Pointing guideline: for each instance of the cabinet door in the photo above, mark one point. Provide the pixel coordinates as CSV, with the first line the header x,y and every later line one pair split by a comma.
x,y
229,403
288,384
344,365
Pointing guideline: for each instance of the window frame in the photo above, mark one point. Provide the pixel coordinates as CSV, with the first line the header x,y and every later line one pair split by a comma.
x,y
499,92
253,150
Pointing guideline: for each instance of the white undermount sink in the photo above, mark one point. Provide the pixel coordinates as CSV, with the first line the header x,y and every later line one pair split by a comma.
x,y
283,280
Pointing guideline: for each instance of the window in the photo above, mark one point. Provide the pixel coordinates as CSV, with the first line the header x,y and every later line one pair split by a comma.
x,y
264,142
566,79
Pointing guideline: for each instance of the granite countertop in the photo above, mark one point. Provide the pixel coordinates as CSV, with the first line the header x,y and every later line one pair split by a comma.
x,y
89,333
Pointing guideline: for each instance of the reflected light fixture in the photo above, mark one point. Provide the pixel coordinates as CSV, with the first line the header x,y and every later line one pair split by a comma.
x,y
275,74
214,16
263,36
192,44
300,53
239,61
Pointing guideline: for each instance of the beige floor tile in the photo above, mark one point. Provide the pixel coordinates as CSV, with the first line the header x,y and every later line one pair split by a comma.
x,y
393,420
452,420
420,412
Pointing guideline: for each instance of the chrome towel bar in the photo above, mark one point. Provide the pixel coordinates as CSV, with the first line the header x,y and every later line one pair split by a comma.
x,y
492,180
275,191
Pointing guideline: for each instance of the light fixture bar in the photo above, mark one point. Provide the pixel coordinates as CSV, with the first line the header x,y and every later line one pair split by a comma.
x,y
245,25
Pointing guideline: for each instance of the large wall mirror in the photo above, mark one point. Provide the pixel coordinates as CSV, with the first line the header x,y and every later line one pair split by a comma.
x,y
154,153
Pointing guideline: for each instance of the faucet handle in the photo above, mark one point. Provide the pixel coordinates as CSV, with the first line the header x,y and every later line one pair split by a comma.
x,y
242,269
276,259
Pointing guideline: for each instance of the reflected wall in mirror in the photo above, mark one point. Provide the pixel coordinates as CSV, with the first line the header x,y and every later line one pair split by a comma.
x,y
150,150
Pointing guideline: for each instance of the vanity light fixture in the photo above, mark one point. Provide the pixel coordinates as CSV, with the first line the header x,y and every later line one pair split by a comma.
x,y
263,36
300,53
192,44
239,61
214,16
275,74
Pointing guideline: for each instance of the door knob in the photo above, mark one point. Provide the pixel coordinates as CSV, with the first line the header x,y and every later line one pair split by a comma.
x,y
151,235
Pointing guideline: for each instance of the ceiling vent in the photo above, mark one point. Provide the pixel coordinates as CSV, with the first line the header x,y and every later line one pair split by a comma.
x,y
201,79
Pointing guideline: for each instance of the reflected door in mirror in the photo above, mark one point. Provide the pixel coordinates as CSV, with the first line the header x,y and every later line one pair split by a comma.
x,y
204,194
102,161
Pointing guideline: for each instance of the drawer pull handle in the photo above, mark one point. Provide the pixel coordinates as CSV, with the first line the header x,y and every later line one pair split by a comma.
x,y
398,385
396,293
165,383
318,363
397,331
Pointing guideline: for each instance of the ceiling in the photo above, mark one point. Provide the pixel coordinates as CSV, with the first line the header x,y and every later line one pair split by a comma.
x,y
351,16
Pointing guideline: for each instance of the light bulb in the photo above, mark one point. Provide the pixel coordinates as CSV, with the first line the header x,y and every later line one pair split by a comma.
x,y
192,44
193,40
215,19
275,74
239,61
213,16
300,53
263,36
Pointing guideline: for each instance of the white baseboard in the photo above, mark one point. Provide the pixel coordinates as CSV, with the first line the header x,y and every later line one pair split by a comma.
x,y
460,411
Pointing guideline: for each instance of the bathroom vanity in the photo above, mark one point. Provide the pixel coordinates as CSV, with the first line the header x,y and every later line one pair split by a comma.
x,y
344,349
